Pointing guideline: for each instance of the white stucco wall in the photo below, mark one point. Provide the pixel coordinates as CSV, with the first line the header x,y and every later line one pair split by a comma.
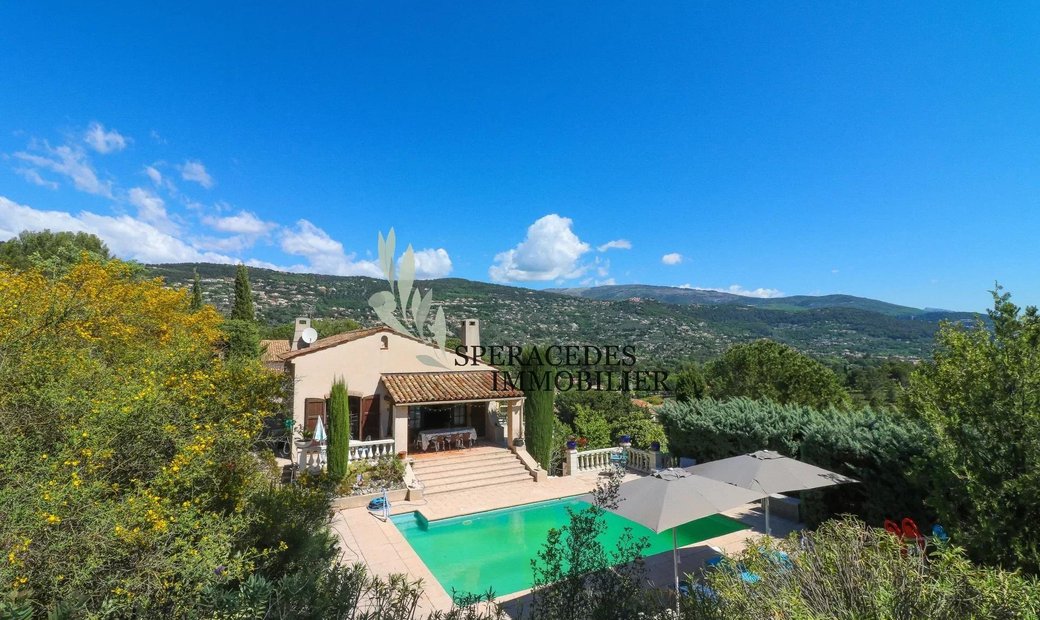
x,y
361,362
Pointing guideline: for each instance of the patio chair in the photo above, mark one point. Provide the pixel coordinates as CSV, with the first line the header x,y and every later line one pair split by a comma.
x,y
619,459
460,440
939,534
721,562
911,533
418,443
777,557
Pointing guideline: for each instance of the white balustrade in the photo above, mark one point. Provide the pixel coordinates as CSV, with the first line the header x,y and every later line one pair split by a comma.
x,y
642,461
590,460
311,458
371,450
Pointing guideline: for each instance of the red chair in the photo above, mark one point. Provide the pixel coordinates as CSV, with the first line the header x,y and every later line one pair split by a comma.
x,y
910,532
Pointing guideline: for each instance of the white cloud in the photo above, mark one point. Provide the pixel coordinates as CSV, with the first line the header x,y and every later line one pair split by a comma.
x,y
616,244
550,251
687,285
246,227
32,175
151,209
834,271
153,174
193,170
432,263
127,237
71,162
323,253
102,141
672,259
245,223
736,289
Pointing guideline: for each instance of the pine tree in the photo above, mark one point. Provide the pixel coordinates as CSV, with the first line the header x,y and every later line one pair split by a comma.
x,y
537,382
338,431
196,293
243,308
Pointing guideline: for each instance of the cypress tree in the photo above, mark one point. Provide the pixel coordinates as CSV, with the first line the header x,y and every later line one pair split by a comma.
x,y
243,307
196,293
536,381
338,431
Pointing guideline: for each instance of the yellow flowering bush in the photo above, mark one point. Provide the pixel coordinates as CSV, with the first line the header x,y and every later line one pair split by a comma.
x,y
128,470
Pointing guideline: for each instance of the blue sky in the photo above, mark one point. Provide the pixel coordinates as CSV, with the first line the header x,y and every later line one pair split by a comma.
x,y
875,149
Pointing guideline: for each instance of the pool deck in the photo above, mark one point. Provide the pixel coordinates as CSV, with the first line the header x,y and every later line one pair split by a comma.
x,y
378,544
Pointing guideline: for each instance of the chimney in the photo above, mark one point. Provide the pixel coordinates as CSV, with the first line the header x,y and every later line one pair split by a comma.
x,y
470,334
302,323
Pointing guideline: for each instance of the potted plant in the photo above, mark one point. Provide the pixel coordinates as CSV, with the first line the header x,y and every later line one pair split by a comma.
x,y
401,455
572,444
655,446
306,438
582,442
518,442
625,441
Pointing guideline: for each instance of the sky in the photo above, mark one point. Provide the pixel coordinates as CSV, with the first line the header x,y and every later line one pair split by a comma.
x,y
887,150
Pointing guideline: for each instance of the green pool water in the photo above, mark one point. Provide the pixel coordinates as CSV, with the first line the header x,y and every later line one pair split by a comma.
x,y
494,549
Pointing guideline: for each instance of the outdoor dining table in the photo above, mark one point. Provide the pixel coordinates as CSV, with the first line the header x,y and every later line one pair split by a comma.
x,y
427,437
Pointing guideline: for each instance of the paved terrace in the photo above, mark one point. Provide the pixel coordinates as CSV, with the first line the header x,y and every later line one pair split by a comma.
x,y
366,538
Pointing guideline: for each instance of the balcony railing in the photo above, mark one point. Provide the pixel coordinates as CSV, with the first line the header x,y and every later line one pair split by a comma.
x,y
642,461
315,456
371,450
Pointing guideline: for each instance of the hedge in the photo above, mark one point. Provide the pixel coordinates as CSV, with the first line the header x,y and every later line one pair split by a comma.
x,y
877,448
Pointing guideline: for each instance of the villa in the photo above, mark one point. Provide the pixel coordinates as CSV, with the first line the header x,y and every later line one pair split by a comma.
x,y
398,401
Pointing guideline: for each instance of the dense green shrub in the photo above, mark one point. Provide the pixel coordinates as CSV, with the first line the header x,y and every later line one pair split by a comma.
x,y
128,472
848,570
593,426
709,429
602,417
981,398
689,383
876,448
769,370
609,403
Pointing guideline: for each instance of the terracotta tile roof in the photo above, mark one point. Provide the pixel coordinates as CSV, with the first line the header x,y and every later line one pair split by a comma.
x,y
436,387
331,341
273,350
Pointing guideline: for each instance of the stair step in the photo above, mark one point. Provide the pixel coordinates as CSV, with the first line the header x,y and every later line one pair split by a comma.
x,y
485,481
467,462
460,475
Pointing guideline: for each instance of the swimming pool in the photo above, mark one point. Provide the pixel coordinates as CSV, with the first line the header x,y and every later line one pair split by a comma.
x,y
494,549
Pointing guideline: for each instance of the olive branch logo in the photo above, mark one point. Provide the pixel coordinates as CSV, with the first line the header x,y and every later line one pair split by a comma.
x,y
414,306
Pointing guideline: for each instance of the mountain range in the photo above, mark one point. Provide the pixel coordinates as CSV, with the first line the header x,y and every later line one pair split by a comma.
x,y
665,324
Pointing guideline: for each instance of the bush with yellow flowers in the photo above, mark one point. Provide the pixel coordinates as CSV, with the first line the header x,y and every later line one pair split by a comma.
x,y
130,478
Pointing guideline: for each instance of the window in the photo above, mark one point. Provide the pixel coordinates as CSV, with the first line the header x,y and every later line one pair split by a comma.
x,y
386,343
414,417
458,415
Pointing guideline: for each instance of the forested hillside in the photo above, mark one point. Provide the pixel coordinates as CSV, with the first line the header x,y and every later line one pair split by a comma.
x,y
663,331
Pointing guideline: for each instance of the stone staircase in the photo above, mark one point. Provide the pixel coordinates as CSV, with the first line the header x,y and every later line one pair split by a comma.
x,y
455,470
